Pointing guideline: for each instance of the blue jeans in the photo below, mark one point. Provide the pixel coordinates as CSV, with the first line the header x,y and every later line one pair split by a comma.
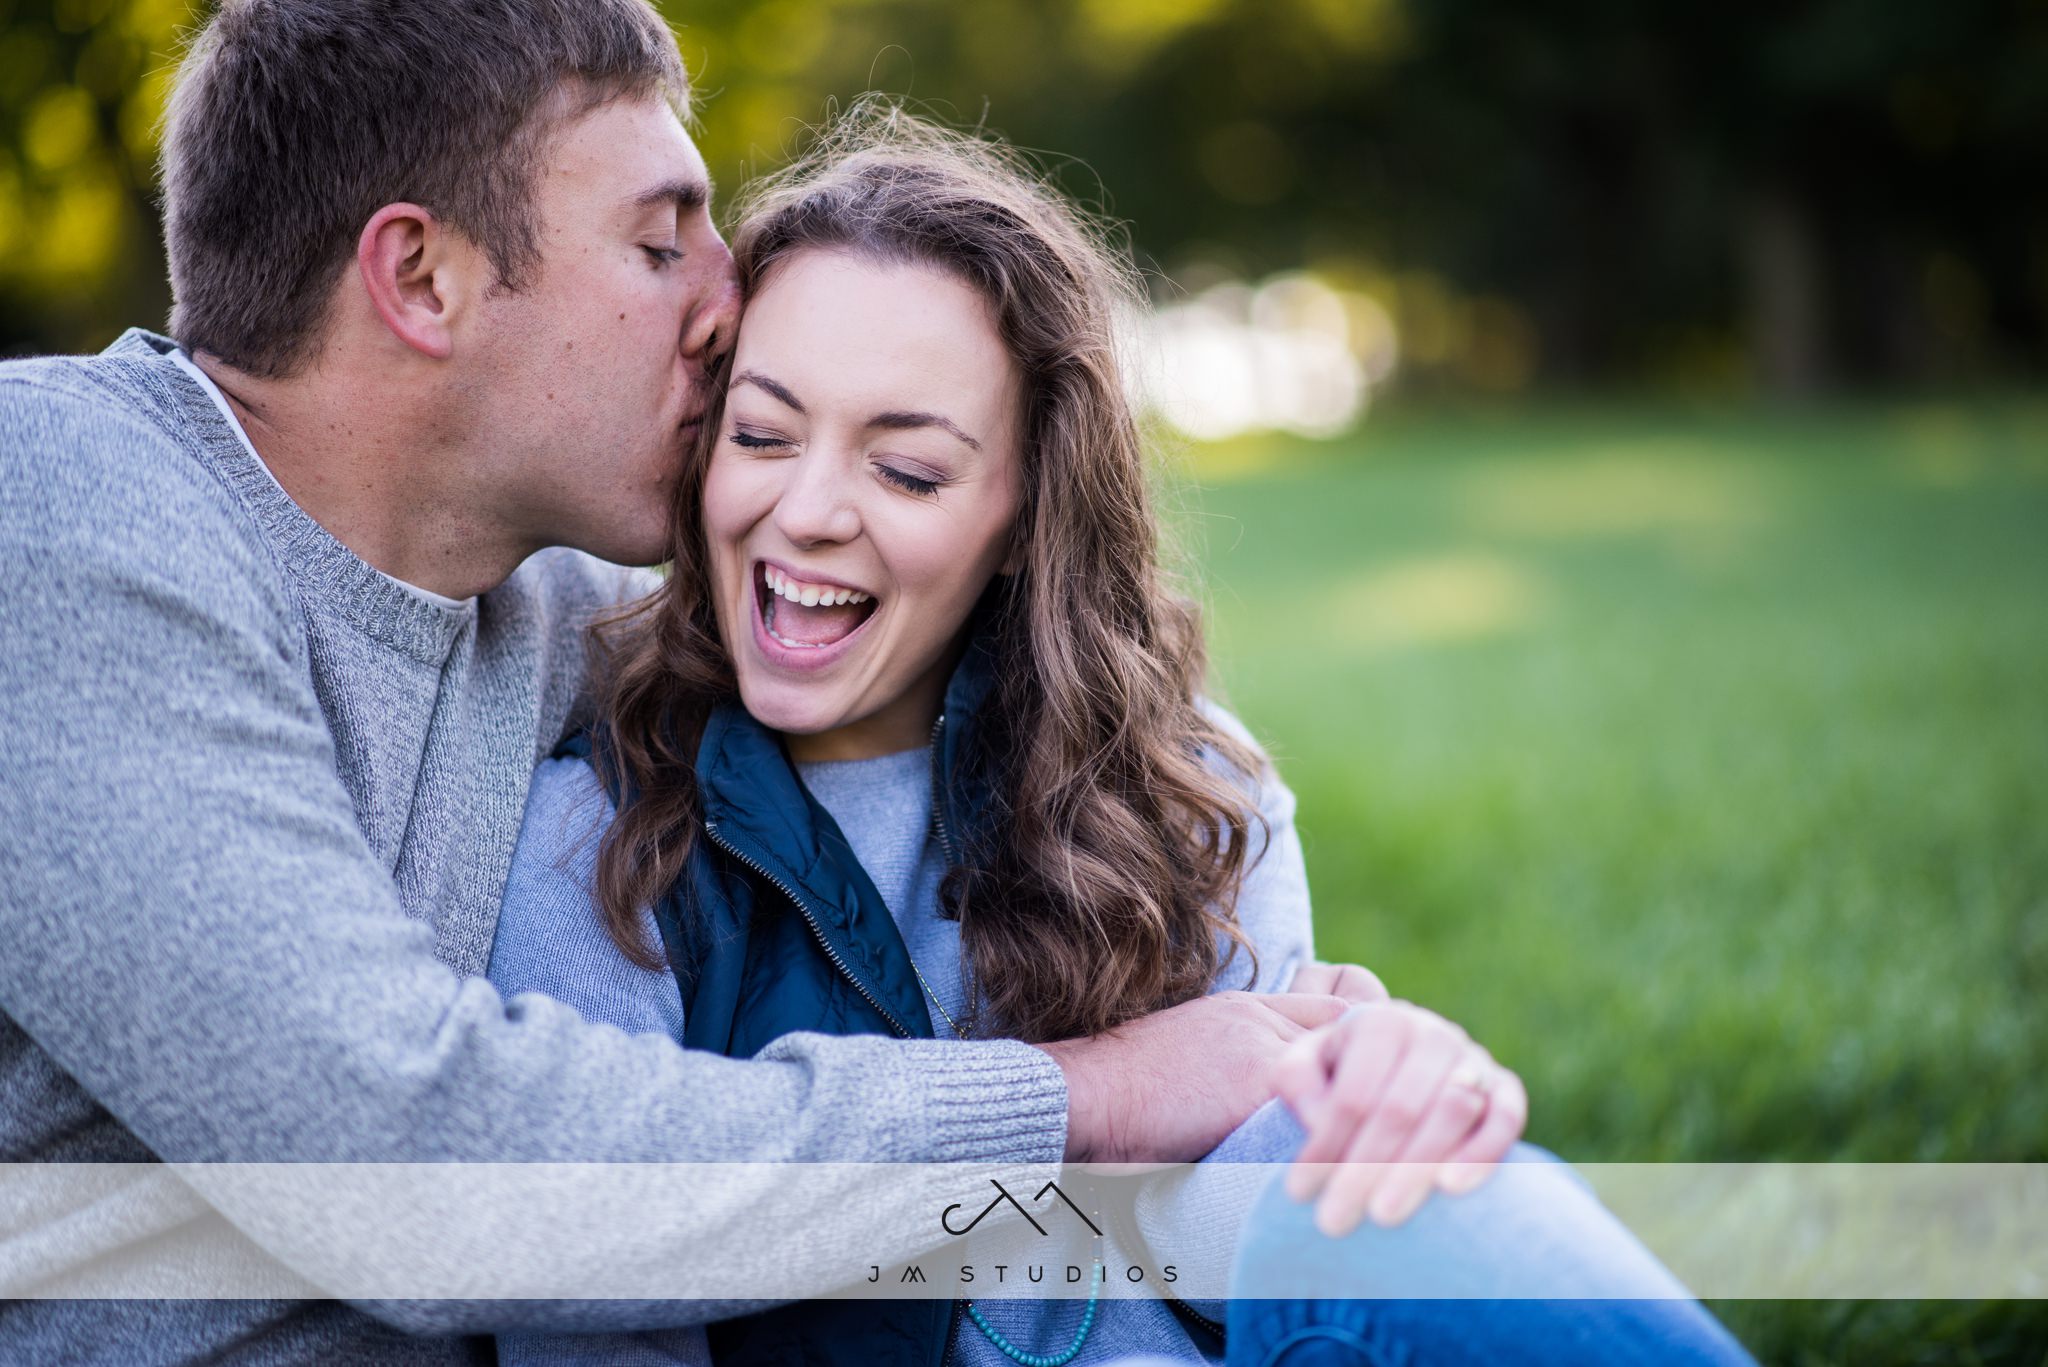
x,y
1530,1268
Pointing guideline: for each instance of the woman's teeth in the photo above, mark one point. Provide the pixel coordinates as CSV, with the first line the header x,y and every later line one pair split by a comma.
x,y
811,595
812,616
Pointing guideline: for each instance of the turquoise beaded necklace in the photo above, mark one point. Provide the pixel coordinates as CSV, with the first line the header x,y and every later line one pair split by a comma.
x,y
1065,1355
996,1336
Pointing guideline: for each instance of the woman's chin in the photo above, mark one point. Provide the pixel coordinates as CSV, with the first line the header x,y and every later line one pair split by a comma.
x,y
775,709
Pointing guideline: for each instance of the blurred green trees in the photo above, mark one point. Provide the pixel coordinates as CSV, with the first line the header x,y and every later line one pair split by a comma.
x,y
82,83
1710,196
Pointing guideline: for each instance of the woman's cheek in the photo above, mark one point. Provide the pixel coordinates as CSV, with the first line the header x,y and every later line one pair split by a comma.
x,y
730,492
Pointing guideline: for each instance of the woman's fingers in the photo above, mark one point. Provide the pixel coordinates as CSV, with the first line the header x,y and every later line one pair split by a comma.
x,y
1455,1115
1301,1073
1507,1114
1398,1109
1301,1078
1352,982
1394,1100
1309,1010
1332,1078
1314,976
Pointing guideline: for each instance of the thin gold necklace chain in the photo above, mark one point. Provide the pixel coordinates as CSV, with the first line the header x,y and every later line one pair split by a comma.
x,y
933,995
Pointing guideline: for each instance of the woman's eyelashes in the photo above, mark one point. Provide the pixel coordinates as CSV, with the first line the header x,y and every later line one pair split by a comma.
x,y
921,482
908,482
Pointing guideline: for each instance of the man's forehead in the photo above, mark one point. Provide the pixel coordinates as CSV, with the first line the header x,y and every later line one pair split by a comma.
x,y
632,152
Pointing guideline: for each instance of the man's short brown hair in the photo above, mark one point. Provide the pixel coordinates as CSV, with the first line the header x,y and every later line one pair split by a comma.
x,y
293,121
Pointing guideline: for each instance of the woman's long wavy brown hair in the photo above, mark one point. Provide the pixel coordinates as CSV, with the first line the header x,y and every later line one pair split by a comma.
x,y
1120,839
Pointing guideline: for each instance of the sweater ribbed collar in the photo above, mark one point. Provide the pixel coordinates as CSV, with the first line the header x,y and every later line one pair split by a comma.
x,y
321,566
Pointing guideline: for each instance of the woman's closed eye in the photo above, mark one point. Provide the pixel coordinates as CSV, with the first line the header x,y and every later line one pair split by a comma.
x,y
910,481
758,441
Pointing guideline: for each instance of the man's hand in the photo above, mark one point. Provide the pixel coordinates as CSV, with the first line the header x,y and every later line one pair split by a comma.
x,y
1391,1083
1168,1087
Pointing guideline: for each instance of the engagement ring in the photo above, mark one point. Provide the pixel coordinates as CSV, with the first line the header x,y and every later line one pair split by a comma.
x,y
1472,1077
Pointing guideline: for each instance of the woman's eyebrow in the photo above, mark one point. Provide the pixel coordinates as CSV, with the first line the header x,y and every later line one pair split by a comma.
x,y
760,381
895,420
899,421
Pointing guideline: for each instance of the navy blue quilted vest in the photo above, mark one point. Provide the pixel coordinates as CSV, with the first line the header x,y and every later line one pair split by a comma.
x,y
775,927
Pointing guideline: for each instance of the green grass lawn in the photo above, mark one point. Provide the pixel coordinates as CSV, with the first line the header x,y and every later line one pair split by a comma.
x,y
1697,764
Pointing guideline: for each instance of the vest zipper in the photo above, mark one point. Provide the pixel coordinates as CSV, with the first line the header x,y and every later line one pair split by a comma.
x,y
952,1332
818,932
939,796
803,909
1135,1241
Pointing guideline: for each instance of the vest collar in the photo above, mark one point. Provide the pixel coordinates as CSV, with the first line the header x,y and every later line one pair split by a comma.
x,y
756,808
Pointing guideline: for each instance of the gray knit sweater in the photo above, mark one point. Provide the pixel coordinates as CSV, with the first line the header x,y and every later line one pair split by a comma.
x,y
256,810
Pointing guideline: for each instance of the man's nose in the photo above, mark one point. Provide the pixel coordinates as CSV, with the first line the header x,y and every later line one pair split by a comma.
x,y
709,330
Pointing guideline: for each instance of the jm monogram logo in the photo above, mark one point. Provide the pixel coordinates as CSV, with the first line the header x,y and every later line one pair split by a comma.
x,y
1002,1195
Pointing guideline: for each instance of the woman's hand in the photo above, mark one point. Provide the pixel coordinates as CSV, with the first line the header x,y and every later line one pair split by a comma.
x,y
1349,981
1391,1083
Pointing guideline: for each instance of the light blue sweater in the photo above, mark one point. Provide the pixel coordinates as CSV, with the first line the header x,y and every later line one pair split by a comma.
x,y
550,940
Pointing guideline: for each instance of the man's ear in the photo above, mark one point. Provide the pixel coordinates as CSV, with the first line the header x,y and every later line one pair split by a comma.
x,y
416,273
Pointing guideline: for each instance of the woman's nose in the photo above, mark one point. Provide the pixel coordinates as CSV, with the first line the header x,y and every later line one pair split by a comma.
x,y
817,505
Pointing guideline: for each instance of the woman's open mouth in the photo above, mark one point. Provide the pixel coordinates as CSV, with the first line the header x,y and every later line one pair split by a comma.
x,y
805,620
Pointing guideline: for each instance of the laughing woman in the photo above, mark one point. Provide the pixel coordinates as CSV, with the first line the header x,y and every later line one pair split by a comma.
x,y
913,742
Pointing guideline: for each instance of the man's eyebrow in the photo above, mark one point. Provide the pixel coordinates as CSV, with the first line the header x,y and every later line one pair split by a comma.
x,y
686,195
775,387
899,421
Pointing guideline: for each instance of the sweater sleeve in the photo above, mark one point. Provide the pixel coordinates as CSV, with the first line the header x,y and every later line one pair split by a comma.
x,y
1199,1210
1272,898
197,932
551,938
